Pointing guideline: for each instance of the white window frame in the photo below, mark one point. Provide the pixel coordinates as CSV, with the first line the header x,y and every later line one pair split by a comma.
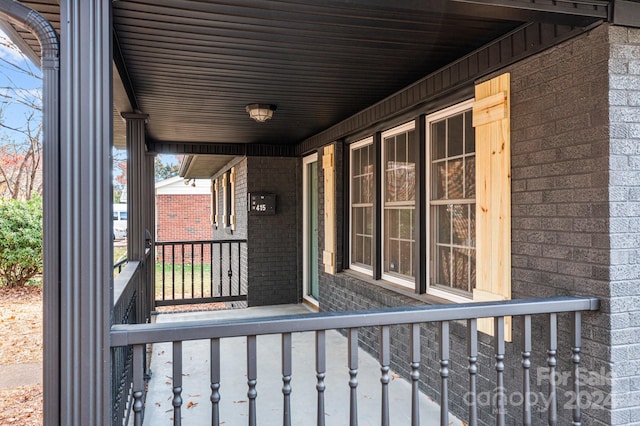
x,y
410,283
359,268
305,228
436,116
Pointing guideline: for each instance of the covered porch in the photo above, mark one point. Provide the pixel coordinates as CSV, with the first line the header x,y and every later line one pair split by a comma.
x,y
452,185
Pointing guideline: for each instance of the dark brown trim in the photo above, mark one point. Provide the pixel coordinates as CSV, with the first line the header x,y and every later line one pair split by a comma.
x,y
420,224
202,148
376,263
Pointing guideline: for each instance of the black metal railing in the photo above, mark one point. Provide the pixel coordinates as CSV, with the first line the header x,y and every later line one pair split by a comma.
x,y
131,306
412,317
119,265
189,272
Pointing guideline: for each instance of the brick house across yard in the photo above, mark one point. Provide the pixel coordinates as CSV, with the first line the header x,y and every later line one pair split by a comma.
x,y
183,213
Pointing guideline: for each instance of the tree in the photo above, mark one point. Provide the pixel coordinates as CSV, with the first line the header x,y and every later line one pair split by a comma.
x,y
165,167
20,240
20,124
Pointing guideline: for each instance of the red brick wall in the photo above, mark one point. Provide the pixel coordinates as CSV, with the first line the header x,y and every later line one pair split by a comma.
x,y
183,218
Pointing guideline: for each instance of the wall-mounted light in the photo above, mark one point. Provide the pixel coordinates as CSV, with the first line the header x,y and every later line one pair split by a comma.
x,y
260,112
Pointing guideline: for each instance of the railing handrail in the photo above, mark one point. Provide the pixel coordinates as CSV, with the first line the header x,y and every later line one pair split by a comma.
x,y
195,330
159,243
123,279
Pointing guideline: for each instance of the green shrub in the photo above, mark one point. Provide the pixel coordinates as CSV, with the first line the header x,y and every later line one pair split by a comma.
x,y
20,241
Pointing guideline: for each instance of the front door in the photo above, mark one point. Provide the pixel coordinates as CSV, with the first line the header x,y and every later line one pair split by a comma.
x,y
310,225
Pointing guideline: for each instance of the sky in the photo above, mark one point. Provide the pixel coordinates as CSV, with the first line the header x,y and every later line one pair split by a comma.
x,y
16,83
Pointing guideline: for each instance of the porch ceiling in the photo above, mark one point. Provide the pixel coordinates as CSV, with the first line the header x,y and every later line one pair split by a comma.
x,y
193,65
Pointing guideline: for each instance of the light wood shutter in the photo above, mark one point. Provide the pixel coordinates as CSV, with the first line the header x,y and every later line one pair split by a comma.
x,y
232,197
328,255
214,203
491,118
225,200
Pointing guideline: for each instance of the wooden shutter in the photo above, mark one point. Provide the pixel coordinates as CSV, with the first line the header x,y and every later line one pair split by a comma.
x,y
491,119
328,166
232,197
214,203
225,200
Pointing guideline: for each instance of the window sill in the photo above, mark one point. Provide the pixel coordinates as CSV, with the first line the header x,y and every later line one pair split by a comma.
x,y
427,299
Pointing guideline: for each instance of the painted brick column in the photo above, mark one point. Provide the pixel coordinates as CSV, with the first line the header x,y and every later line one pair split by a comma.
x,y
624,224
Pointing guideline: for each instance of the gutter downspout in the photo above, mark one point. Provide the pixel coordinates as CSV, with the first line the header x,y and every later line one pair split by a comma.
x,y
28,18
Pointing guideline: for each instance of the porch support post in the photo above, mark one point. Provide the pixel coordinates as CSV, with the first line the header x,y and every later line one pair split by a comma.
x,y
86,252
150,224
136,187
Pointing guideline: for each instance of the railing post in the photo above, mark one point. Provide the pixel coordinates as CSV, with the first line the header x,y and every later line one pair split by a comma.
x,y
552,362
286,378
138,384
177,383
526,366
444,373
252,375
472,345
352,336
498,326
576,337
215,381
414,336
385,360
321,361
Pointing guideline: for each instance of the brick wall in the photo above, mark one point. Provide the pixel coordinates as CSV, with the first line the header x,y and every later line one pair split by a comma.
x,y
575,227
226,257
183,218
274,240
623,272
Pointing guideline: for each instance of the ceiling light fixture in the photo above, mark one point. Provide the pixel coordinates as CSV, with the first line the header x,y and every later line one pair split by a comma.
x,y
260,112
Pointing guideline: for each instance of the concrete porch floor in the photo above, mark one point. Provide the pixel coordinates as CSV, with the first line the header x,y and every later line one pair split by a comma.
x,y
196,409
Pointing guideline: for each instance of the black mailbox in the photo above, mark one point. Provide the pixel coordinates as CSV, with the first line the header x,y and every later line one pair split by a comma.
x,y
261,203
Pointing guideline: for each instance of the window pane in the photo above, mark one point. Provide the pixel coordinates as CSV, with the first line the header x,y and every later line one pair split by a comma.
x,y
367,251
439,184
393,262
357,250
356,165
399,189
355,190
469,134
401,149
394,223
443,225
472,268
406,257
390,193
472,225
455,190
361,195
460,270
455,136
470,177
406,224
460,224
443,267
438,140
453,179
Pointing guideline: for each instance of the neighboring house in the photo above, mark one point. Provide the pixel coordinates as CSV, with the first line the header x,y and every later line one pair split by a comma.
x,y
421,154
183,209
183,213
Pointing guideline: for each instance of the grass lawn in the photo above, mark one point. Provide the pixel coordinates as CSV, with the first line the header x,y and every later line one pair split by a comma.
x,y
183,281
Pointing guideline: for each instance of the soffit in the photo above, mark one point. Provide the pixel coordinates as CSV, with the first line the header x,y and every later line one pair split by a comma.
x,y
192,65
